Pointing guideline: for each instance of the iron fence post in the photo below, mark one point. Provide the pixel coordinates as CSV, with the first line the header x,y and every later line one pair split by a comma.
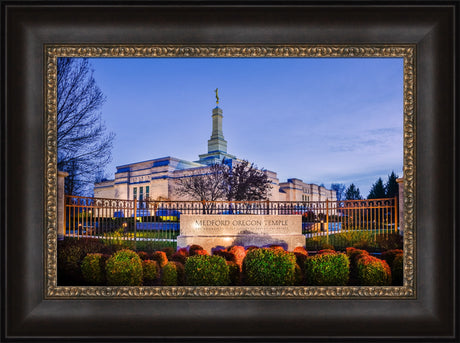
x,y
135,220
327,220
396,213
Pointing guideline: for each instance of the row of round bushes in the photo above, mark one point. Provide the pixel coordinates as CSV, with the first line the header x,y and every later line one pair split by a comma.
x,y
238,266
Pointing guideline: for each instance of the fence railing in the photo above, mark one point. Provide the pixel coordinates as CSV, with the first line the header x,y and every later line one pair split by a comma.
x,y
159,221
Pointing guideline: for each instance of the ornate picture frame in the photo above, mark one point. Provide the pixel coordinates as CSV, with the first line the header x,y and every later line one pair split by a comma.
x,y
408,289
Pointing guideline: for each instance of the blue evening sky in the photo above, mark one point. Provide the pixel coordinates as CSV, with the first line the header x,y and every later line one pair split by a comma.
x,y
322,120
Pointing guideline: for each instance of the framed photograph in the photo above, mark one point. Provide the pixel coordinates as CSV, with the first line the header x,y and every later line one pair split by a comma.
x,y
136,209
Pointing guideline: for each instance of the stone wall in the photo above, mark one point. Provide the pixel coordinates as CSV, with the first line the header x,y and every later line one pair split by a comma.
x,y
211,231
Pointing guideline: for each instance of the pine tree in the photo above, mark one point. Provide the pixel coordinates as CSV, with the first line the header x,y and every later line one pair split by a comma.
x,y
378,190
352,193
391,187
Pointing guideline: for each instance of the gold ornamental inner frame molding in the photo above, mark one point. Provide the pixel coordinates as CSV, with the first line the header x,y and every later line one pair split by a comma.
x,y
407,52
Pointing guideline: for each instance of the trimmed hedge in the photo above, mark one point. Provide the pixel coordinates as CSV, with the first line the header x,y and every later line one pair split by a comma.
x,y
205,270
228,256
124,268
299,275
301,256
172,274
150,271
327,269
200,252
239,252
397,270
143,255
234,273
70,254
168,251
327,251
194,248
390,241
178,257
160,257
372,271
93,269
269,267
354,255
390,255
169,275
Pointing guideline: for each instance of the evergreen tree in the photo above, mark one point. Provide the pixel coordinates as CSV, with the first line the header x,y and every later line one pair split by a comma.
x,y
378,190
391,187
352,193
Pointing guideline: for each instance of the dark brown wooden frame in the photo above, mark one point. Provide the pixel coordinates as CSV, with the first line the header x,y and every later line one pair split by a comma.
x,y
26,27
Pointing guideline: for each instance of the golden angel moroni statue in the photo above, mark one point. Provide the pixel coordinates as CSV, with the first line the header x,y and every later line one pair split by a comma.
x,y
217,96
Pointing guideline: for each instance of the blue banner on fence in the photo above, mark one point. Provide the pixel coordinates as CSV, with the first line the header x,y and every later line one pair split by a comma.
x,y
157,226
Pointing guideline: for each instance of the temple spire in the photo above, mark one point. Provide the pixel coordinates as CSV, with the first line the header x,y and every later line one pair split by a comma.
x,y
217,145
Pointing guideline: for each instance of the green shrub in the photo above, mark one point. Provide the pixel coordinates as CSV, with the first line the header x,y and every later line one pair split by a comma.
x,y
172,274
143,255
354,255
389,241
124,268
276,247
327,246
93,269
268,267
228,256
343,239
70,254
298,275
364,245
301,250
300,255
178,257
327,269
193,248
372,271
205,270
390,255
397,270
239,252
168,251
182,251
160,257
234,273
249,248
180,273
327,251
200,252
117,239
150,272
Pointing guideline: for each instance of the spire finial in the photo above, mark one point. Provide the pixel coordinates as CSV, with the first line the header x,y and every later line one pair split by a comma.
x,y
217,96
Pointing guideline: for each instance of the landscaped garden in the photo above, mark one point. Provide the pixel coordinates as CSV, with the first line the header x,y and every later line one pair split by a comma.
x,y
112,262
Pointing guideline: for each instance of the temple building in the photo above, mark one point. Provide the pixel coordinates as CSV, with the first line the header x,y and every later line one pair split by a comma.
x,y
157,178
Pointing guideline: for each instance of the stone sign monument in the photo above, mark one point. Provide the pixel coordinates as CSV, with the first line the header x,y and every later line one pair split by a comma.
x,y
211,231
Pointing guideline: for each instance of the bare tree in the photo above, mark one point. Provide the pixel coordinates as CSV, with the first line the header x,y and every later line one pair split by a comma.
x,y
84,145
339,189
208,186
241,181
